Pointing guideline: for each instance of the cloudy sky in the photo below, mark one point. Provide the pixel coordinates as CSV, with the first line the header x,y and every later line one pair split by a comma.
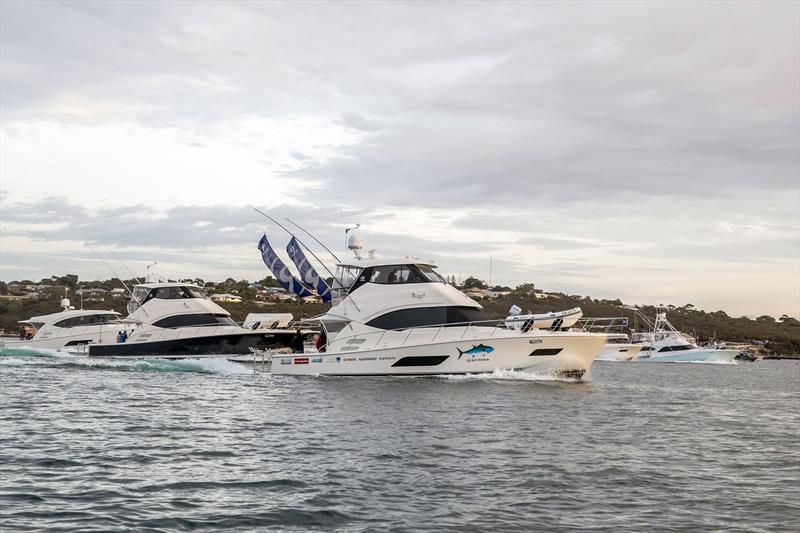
x,y
648,151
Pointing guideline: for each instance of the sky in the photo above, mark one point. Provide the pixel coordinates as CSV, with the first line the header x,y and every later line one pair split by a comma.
x,y
648,151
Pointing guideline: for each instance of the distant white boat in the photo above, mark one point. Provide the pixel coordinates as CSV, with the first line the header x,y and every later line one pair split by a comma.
x,y
555,321
620,350
665,344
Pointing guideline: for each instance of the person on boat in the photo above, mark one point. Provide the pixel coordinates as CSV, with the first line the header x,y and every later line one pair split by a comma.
x,y
124,335
297,342
321,342
119,337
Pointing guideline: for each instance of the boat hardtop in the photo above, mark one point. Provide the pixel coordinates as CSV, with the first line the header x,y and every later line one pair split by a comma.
x,y
52,318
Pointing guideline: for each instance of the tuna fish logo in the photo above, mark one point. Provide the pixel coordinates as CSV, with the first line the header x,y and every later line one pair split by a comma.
x,y
476,350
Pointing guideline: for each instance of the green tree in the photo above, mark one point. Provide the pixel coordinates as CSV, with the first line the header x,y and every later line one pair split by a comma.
x,y
474,283
525,288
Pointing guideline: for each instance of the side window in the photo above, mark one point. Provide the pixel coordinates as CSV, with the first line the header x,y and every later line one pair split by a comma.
x,y
168,293
395,274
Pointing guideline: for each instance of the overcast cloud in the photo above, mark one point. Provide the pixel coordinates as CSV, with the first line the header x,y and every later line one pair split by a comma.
x,y
644,150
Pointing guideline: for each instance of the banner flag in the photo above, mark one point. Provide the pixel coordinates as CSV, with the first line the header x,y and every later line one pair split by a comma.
x,y
278,268
308,276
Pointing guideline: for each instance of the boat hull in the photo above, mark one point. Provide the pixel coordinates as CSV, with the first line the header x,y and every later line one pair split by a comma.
x,y
182,346
231,344
699,355
567,355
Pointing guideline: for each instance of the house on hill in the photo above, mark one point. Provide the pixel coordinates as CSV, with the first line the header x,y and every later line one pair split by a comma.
x,y
229,298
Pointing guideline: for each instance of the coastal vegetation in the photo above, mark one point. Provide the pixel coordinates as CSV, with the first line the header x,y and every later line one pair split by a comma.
x,y
775,336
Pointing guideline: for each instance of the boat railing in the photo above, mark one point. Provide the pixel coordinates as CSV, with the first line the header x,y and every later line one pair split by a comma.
x,y
380,334
601,324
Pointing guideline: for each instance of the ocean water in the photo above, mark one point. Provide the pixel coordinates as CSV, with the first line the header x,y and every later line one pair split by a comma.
x,y
113,445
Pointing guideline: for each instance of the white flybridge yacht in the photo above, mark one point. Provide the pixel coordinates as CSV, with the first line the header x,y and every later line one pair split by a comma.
x,y
70,327
166,319
399,317
664,343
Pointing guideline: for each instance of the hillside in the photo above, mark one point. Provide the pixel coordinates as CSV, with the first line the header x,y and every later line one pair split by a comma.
x,y
779,337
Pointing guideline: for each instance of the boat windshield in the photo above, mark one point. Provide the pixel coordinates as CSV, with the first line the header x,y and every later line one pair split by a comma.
x,y
176,293
431,274
141,294
346,275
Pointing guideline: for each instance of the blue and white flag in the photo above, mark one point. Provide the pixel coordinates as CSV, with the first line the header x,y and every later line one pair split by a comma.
x,y
277,267
308,275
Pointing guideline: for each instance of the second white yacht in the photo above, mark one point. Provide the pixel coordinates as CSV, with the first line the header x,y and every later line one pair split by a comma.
x,y
665,344
167,319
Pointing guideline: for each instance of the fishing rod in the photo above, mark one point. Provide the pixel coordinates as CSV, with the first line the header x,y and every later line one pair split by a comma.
x,y
115,275
341,284
310,235
299,241
133,276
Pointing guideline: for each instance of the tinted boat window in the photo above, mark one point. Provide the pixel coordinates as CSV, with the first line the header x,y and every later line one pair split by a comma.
x,y
175,293
426,316
198,319
392,274
677,348
87,320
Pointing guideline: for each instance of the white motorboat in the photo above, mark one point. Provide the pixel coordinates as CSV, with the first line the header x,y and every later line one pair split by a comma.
x,y
399,317
70,327
665,344
552,320
617,349
165,318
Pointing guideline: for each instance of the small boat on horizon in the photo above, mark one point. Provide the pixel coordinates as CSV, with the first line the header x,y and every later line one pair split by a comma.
x,y
665,344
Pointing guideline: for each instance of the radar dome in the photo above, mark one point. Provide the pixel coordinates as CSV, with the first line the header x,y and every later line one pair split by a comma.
x,y
354,240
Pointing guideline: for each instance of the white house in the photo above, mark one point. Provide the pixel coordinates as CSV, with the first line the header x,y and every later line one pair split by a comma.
x,y
230,298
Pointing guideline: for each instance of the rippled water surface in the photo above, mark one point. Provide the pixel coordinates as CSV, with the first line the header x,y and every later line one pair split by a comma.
x,y
100,444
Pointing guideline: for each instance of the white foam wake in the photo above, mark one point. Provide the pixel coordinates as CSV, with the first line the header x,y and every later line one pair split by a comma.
x,y
512,375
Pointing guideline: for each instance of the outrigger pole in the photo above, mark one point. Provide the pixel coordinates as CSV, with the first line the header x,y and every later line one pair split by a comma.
x,y
310,235
115,274
301,243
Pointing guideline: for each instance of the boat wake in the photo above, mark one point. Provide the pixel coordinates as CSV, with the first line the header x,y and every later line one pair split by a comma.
x,y
54,358
710,362
515,375
32,352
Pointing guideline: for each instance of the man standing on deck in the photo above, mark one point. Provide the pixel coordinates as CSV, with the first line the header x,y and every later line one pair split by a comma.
x,y
297,342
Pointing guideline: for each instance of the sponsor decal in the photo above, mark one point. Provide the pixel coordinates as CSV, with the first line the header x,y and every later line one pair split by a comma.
x,y
349,359
301,360
479,350
476,359
338,359
286,361
535,341
316,360
367,358
387,358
